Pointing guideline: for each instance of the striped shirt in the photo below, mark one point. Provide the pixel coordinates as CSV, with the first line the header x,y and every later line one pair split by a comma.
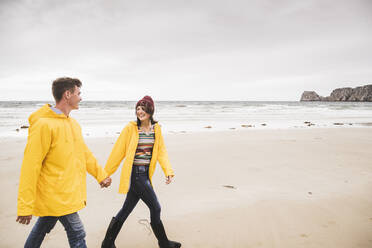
x,y
144,149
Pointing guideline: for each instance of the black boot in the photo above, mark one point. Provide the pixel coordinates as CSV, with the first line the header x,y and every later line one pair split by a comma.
x,y
160,234
111,233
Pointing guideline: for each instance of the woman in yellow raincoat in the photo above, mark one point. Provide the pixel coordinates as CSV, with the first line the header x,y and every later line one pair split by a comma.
x,y
141,144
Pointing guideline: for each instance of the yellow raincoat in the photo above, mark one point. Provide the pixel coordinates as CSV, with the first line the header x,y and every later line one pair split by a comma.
x,y
126,146
55,162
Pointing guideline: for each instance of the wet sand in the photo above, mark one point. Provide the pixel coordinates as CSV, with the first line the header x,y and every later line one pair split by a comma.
x,y
254,188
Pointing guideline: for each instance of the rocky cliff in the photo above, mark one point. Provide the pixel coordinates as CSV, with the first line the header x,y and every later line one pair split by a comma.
x,y
358,94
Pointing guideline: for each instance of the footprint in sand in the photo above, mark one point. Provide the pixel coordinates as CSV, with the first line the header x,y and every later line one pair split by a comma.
x,y
6,158
146,224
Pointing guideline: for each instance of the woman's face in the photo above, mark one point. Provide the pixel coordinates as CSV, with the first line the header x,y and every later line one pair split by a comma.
x,y
141,114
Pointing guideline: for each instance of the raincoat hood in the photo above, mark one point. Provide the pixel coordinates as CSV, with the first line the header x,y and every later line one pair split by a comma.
x,y
44,111
133,123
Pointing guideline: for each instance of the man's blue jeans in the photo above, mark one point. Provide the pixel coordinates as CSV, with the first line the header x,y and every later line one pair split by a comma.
x,y
73,226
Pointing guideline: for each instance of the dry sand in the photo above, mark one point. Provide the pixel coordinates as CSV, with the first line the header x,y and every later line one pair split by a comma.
x,y
254,188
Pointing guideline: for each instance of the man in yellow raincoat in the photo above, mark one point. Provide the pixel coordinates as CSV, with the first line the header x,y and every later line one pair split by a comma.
x,y
53,174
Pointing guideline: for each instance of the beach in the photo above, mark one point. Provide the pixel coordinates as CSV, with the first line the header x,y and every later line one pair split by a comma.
x,y
308,187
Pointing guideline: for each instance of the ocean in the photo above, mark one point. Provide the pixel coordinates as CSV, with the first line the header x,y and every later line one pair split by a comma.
x,y
107,118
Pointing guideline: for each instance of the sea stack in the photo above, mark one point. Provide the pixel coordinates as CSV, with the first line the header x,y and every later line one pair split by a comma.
x,y
310,96
358,94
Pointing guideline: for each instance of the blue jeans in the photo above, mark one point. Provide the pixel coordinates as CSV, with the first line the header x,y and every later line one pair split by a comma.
x,y
140,188
73,226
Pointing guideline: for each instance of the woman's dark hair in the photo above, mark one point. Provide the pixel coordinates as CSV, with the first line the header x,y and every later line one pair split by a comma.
x,y
148,109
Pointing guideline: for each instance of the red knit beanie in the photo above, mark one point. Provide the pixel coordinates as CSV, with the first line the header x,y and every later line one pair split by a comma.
x,y
147,101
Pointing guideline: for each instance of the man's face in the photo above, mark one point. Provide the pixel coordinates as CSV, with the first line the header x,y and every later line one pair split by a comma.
x,y
75,98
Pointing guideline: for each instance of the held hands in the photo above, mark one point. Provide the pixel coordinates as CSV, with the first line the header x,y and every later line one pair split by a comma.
x,y
24,219
168,179
105,182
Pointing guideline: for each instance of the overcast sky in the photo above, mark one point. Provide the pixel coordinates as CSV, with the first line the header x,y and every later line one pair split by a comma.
x,y
185,50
